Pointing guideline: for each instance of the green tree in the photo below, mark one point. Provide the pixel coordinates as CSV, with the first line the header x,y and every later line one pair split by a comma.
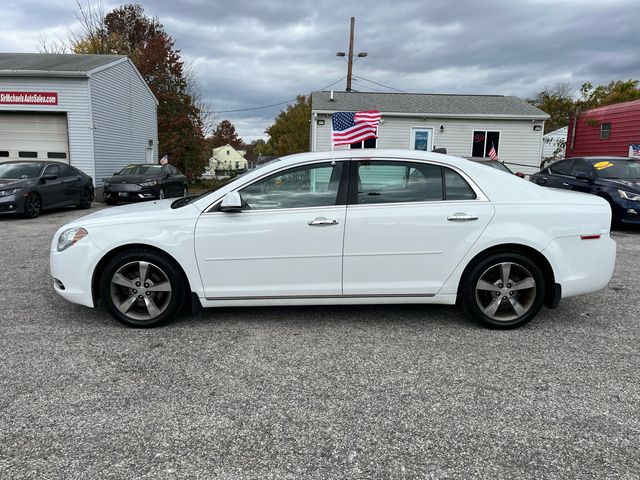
x,y
291,130
558,102
616,91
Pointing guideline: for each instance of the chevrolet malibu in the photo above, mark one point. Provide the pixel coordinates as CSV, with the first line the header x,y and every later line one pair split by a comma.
x,y
366,227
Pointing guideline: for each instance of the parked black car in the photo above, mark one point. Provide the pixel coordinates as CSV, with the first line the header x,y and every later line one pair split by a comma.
x,y
145,181
28,187
616,179
497,164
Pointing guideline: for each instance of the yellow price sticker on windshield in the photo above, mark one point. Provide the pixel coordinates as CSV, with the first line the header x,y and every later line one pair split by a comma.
x,y
602,165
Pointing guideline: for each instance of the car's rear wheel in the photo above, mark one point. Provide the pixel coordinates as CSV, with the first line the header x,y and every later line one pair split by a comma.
x,y
503,290
85,200
32,205
141,288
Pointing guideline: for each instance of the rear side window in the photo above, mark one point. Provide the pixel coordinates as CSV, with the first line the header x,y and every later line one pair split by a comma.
x,y
67,171
456,187
561,168
396,182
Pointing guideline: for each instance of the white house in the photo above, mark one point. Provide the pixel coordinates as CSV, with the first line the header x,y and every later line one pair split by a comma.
x,y
227,158
466,125
554,144
94,111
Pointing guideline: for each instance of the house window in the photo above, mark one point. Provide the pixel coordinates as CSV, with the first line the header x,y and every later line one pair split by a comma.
x,y
368,143
605,130
483,140
228,152
237,165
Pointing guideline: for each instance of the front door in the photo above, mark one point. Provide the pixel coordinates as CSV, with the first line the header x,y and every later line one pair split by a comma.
x,y
408,227
421,138
286,241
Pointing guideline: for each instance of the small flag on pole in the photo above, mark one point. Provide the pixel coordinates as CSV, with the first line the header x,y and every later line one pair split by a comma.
x,y
164,160
354,127
493,155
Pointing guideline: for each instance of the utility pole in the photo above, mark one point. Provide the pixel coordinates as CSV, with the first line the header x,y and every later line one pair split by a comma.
x,y
350,55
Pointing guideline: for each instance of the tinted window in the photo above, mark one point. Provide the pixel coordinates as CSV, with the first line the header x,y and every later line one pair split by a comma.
x,y
145,169
391,182
561,168
308,186
580,166
456,187
616,168
67,171
52,170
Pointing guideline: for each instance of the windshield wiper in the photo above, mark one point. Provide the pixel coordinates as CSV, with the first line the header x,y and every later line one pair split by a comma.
x,y
181,202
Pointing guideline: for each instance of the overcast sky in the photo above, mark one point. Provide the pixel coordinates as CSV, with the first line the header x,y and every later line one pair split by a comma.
x,y
255,53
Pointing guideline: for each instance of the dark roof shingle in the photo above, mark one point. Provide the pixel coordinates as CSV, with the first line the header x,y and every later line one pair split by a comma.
x,y
43,62
426,103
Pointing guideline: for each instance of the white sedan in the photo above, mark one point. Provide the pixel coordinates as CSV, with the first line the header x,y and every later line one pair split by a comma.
x,y
362,227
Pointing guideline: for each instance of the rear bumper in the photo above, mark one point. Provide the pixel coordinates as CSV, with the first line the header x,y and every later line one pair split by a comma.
x,y
581,266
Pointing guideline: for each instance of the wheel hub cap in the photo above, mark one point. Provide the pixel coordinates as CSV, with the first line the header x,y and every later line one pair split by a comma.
x,y
505,291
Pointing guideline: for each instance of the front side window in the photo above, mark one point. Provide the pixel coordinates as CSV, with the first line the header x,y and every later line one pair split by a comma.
x,y
483,140
562,167
393,182
580,166
51,170
300,187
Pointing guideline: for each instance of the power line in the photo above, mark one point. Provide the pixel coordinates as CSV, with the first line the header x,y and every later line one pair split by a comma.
x,y
360,77
371,89
269,106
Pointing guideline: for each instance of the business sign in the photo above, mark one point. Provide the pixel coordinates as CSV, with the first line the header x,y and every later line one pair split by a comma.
x,y
28,98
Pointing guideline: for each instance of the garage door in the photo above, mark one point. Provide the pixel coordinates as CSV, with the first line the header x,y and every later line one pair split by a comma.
x,y
31,136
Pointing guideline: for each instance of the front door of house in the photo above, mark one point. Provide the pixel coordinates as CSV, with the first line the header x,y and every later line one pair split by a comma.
x,y
421,138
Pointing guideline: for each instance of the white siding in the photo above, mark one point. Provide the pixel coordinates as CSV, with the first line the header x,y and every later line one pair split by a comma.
x,y
519,143
124,118
73,98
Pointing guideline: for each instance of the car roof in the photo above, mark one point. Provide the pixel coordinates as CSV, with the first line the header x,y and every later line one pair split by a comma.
x,y
482,159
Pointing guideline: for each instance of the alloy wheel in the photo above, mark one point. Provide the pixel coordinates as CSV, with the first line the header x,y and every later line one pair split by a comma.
x,y
32,206
140,290
505,291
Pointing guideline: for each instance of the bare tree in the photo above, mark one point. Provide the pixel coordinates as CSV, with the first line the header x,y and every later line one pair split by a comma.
x,y
207,117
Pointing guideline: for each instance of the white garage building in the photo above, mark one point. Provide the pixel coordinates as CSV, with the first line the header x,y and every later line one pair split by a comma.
x,y
94,111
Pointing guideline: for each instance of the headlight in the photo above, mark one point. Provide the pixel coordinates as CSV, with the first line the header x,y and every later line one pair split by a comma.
x,y
70,237
6,193
148,184
629,196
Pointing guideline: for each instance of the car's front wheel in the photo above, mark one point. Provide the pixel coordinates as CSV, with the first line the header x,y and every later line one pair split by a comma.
x,y
141,288
503,290
32,205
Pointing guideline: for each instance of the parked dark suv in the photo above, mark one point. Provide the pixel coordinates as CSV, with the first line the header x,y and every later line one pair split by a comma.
x,y
28,187
616,179
145,181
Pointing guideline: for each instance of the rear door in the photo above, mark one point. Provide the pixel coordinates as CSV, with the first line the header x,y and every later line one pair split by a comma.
x,y
52,191
408,225
72,184
559,175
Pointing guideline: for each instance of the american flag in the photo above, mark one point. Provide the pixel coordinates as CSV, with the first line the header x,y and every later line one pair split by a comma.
x,y
164,160
493,155
354,127
634,150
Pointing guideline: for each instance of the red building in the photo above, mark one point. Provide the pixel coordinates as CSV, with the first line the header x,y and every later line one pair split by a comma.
x,y
604,131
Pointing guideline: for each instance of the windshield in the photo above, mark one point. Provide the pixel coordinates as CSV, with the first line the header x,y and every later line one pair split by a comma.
x,y
141,170
19,170
617,168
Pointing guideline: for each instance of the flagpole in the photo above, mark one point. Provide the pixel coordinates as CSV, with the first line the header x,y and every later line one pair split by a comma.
x,y
333,159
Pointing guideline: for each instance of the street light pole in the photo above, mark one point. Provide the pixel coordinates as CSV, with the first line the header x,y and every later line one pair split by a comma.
x,y
350,54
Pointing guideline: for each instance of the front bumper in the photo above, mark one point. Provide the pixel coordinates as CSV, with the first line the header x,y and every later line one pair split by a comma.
x,y
116,193
12,203
72,269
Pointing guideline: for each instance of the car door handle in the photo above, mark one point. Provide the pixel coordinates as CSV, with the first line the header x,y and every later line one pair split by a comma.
x,y
462,217
541,180
322,221
565,184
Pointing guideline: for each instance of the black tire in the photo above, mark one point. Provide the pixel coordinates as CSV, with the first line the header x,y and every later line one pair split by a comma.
x,y
110,202
161,194
86,199
515,306
32,205
135,295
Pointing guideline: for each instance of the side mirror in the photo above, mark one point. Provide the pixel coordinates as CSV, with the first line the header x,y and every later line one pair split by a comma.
x,y
584,177
48,177
231,202
116,173
520,174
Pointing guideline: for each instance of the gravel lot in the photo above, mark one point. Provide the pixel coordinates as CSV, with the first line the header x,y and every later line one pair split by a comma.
x,y
357,392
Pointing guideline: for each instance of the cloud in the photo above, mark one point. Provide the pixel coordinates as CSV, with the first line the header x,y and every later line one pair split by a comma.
x,y
253,53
